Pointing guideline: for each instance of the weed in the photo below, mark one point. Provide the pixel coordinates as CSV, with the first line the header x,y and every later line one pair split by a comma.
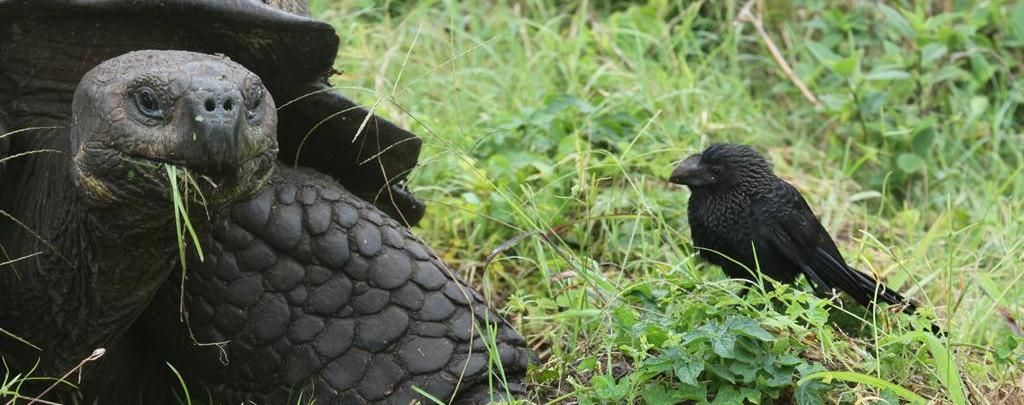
x,y
549,127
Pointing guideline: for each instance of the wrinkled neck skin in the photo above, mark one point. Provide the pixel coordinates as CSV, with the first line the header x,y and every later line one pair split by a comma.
x,y
86,283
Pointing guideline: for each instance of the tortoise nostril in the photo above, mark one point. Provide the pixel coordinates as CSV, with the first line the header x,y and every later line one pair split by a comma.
x,y
210,105
228,105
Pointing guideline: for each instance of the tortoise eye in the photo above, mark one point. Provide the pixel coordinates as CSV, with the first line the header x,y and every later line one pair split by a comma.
x,y
148,104
253,101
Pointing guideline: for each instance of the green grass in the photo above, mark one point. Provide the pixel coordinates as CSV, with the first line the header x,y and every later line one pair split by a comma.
x,y
550,126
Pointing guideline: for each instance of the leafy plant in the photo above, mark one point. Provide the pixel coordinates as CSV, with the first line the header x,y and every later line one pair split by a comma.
x,y
549,127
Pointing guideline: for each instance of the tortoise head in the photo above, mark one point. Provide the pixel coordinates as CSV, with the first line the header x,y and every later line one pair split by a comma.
x,y
146,117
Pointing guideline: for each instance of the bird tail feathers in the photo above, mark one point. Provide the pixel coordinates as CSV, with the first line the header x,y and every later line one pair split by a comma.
x,y
872,288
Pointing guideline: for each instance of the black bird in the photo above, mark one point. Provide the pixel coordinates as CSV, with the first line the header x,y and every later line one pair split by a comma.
x,y
744,217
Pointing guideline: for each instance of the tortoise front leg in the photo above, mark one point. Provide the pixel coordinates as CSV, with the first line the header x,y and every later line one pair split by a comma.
x,y
320,295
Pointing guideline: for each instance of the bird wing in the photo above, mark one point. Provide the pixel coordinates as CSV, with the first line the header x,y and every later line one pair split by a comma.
x,y
788,224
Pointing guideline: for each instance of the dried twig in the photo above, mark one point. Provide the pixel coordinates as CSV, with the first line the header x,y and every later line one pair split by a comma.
x,y
746,16
96,354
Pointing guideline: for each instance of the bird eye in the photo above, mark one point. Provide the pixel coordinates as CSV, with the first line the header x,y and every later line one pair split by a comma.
x,y
148,104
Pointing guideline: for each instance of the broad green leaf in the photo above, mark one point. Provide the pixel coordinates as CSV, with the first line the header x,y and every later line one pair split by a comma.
x,y
607,388
687,370
1007,347
657,394
896,21
745,371
981,68
846,67
727,396
932,52
894,51
778,376
947,72
545,375
872,102
828,376
910,163
978,106
810,393
589,363
721,371
1016,18
698,334
687,392
724,344
923,140
667,360
471,198
887,74
835,101
748,327
821,52
737,395
751,394
747,350
559,103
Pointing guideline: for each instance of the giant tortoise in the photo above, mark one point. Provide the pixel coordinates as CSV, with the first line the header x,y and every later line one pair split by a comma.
x,y
310,287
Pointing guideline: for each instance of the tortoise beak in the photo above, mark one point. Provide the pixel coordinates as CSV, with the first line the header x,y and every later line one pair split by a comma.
x,y
217,139
686,170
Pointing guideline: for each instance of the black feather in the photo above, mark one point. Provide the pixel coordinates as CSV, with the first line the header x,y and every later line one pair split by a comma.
x,y
739,211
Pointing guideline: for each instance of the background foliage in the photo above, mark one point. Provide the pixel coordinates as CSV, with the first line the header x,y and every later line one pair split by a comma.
x,y
550,126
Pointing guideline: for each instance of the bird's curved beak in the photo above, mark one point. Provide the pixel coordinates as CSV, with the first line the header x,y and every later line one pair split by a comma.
x,y
686,170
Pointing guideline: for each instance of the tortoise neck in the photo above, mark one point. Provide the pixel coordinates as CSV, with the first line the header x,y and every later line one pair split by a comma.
x,y
87,287
116,279
89,272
